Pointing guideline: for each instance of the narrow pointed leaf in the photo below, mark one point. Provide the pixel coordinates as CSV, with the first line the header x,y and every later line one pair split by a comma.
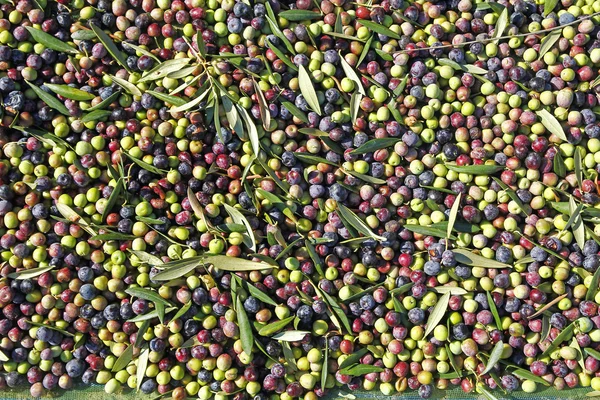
x,y
453,290
125,84
356,222
355,106
239,218
141,50
30,273
494,357
146,294
95,115
265,114
252,131
50,100
551,124
165,69
274,327
548,41
245,328
75,218
203,92
453,214
562,336
146,257
437,313
360,369
50,41
494,310
141,367
308,90
124,359
578,166
111,47
106,102
475,169
558,165
501,24
375,144
281,55
549,6
70,92
300,15
352,75
295,111
379,28
466,257
174,100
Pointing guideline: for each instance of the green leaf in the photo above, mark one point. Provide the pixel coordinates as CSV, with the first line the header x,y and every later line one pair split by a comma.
x,y
437,313
593,289
164,69
578,227
549,5
144,165
295,111
379,28
578,166
125,84
355,106
252,133
83,34
427,230
182,310
54,328
147,294
592,353
276,31
3,357
260,295
75,218
325,366
150,221
548,41
106,102
459,226
283,185
494,310
112,200
110,46
352,75
124,359
112,236
524,374
239,218
564,335
174,100
311,159
453,214
501,24
150,315
141,367
308,90
367,178
360,369
375,144
70,92
141,50
551,123
203,92
365,51
245,328
274,327
545,327
466,257
300,15
475,169
177,269
356,222
486,393
289,356
263,106
337,310
558,165
494,357
50,100
453,290
286,60
33,272
313,132
511,193
146,257
353,358
95,115
50,41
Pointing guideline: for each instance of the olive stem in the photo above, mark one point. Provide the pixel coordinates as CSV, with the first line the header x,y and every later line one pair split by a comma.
x,y
500,37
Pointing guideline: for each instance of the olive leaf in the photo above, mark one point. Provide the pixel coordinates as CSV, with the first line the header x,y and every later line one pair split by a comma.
x,y
83,34
239,218
360,369
203,92
112,236
311,159
562,336
494,357
549,5
511,193
141,367
578,227
466,257
375,144
558,165
486,393
54,328
150,315
50,41
125,84
357,223
337,310
355,106
300,15
147,294
593,289
437,313
124,359
182,73
379,28
551,123
252,132
453,290
70,92
353,358
112,199
174,100
95,115
545,327
164,69
286,60
475,169
288,356
272,21
110,46
146,257
182,310
501,24
352,75
428,231
578,166
524,374
197,208
144,165
308,90
176,269
366,178
106,102
325,367
274,327
365,51
141,50
295,111
235,122
50,100
32,272
263,106
3,357
453,214
494,310
245,328
592,353
548,41
75,218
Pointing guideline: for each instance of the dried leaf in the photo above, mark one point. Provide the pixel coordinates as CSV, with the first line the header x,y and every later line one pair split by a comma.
x,y
308,90
453,214
50,100
50,41
437,313
551,123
